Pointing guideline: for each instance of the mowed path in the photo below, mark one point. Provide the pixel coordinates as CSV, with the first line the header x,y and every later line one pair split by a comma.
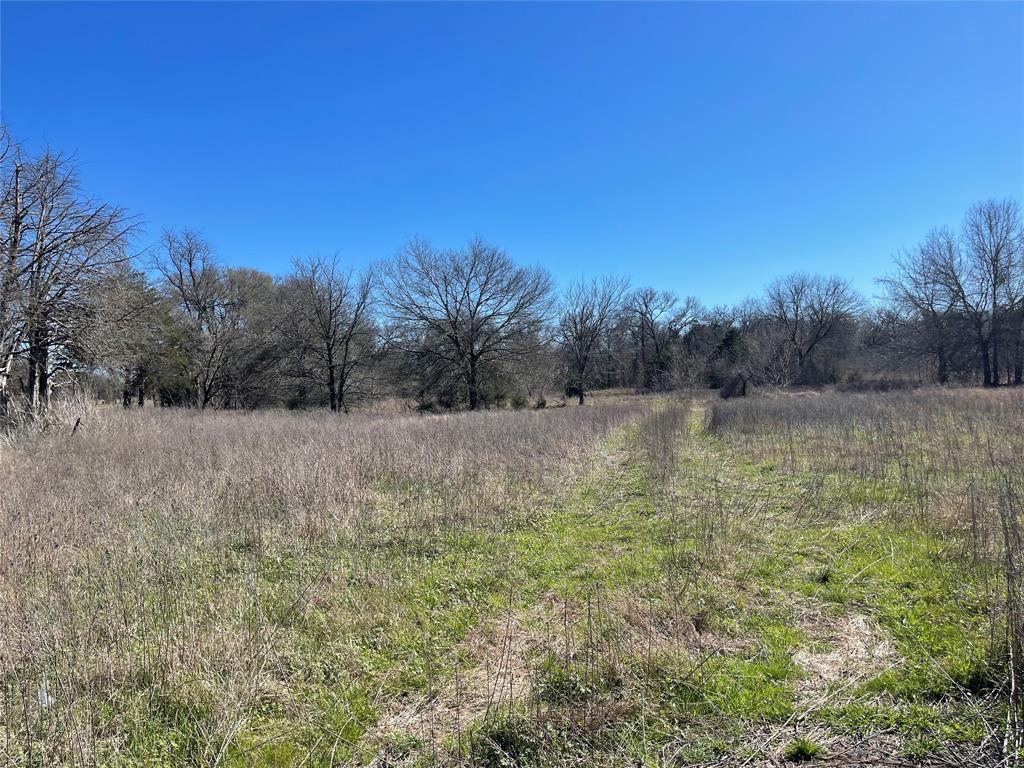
x,y
673,608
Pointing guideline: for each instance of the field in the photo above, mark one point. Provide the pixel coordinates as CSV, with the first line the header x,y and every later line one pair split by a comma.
x,y
673,580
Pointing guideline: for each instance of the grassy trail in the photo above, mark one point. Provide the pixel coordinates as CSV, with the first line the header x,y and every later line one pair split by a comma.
x,y
721,612
678,605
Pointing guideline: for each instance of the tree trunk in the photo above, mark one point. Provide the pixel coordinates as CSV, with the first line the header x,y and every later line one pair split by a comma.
x,y
142,396
986,365
32,389
473,386
332,388
943,363
995,360
581,395
126,398
1018,362
44,370
8,339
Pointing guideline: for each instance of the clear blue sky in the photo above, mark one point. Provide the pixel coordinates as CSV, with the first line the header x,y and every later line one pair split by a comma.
x,y
703,148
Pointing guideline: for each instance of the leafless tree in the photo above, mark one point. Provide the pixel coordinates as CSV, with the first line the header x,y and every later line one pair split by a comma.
x,y
588,309
768,357
329,325
248,377
465,311
984,277
924,307
194,280
811,309
122,329
657,319
12,219
995,273
58,244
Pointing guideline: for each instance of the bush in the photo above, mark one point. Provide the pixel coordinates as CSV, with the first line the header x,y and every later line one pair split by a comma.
x,y
541,403
519,402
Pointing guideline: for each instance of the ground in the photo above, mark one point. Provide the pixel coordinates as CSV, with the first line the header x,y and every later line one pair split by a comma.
x,y
701,616
675,599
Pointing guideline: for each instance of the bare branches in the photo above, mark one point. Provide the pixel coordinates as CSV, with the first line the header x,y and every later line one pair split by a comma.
x,y
973,282
330,328
466,311
588,311
57,245
658,319
459,327
810,309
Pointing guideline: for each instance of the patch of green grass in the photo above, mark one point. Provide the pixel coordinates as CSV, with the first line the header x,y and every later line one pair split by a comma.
x,y
913,585
691,546
911,720
801,750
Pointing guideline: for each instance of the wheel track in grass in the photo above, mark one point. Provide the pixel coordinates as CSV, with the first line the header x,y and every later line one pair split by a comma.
x,y
831,651
503,652
584,543
611,536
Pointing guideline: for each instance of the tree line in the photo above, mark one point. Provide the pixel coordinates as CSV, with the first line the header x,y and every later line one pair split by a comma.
x,y
463,327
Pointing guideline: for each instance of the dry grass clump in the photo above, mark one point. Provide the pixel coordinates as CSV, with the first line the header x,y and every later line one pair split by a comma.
x,y
865,432
170,571
948,457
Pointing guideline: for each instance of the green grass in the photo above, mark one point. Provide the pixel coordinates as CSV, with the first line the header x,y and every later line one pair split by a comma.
x,y
802,750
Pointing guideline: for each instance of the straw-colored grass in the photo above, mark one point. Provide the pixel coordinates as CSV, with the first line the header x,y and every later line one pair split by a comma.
x,y
637,581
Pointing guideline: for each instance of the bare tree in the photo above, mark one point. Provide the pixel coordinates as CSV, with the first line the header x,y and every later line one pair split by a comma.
x,y
657,320
12,219
984,277
465,312
329,325
60,245
588,309
995,272
195,282
122,331
925,308
767,356
811,309
248,377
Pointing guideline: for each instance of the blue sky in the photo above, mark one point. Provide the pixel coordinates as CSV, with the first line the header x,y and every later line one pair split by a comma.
x,y
698,147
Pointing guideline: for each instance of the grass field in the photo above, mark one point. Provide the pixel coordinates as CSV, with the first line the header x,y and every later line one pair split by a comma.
x,y
641,581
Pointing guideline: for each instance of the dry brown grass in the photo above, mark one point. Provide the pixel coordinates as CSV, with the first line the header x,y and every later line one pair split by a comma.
x,y
158,558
